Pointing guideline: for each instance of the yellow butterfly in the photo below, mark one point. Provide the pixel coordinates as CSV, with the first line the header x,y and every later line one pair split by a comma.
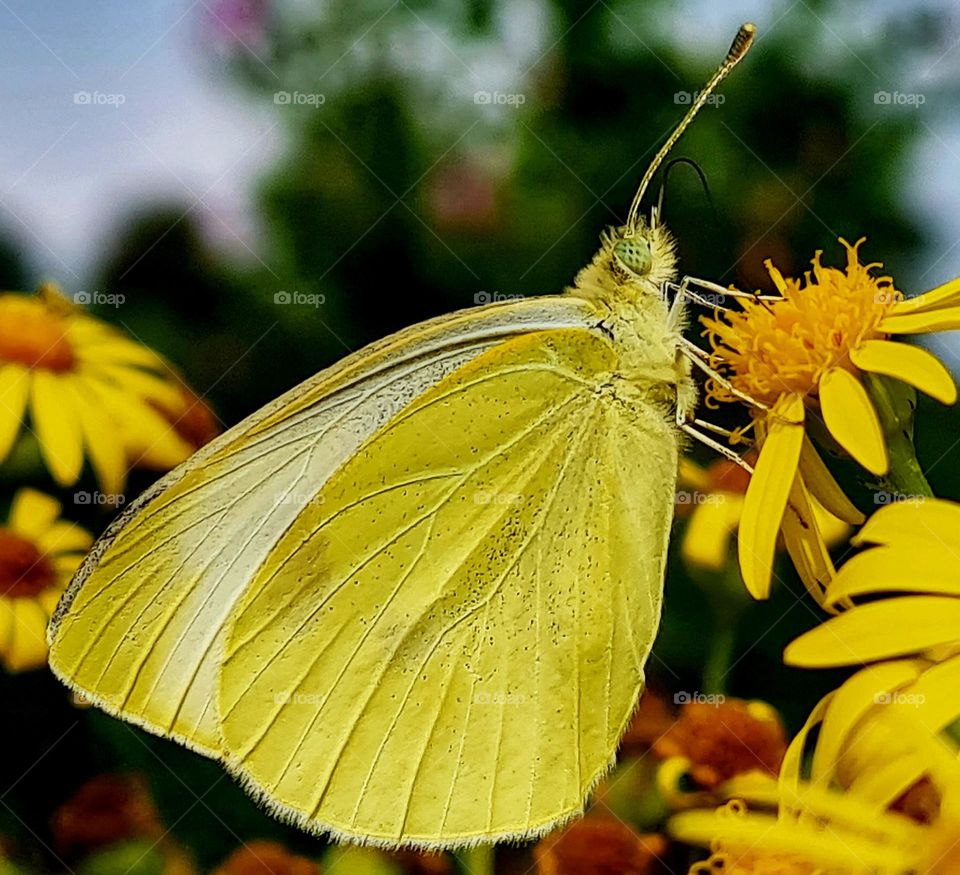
x,y
410,601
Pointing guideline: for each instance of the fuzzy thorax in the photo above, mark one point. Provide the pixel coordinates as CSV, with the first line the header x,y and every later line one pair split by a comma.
x,y
606,278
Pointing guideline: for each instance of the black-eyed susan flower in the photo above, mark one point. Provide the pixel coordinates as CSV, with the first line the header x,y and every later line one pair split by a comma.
x,y
902,612
802,357
39,553
84,390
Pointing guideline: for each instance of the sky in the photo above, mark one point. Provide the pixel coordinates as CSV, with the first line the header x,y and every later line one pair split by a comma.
x,y
157,117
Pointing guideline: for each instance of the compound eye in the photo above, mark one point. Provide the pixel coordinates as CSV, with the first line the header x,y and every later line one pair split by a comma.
x,y
634,254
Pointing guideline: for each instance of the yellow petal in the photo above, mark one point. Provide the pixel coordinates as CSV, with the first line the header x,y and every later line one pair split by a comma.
x,y
14,389
57,427
767,494
847,852
848,705
890,780
150,439
32,513
692,476
879,630
66,565
805,543
710,529
912,365
935,569
793,760
942,296
850,416
138,382
820,482
923,322
922,519
104,446
28,642
64,537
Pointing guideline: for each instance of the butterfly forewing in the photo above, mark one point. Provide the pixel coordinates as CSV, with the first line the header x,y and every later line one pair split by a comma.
x,y
141,630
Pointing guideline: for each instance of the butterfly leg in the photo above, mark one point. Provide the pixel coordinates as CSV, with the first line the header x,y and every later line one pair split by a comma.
x,y
688,428
699,358
689,282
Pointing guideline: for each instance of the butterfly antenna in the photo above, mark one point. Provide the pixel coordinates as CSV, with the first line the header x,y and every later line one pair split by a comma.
x,y
741,43
673,162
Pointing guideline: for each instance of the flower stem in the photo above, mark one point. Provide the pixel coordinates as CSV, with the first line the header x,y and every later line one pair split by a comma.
x,y
895,403
719,658
477,860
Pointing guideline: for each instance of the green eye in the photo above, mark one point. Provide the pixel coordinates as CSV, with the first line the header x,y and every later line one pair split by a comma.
x,y
634,255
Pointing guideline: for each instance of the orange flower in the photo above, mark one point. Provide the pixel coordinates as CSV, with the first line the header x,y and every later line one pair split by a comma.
x,y
105,810
725,738
266,858
598,846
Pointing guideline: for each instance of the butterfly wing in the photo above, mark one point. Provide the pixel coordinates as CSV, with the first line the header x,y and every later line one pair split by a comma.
x,y
142,627
447,645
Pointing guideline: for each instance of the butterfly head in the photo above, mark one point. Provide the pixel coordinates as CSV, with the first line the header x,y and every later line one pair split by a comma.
x,y
642,254
634,254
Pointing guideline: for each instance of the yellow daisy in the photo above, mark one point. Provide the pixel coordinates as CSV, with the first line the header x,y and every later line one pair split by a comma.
x,y
801,357
712,499
809,827
82,388
831,834
39,552
902,611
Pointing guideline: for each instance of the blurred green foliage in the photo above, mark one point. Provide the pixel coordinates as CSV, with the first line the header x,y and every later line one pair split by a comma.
x,y
400,197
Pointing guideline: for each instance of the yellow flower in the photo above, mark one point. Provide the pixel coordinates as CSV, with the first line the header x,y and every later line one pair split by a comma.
x,y
902,611
816,832
39,553
801,357
810,826
81,387
713,499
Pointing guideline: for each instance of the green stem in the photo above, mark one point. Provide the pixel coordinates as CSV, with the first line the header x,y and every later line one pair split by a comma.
x,y
477,860
895,403
719,658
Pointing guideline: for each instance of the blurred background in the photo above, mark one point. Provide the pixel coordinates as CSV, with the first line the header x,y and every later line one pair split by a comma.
x,y
257,187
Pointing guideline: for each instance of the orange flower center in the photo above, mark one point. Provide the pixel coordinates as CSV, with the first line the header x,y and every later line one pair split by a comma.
x,y
24,570
33,335
773,348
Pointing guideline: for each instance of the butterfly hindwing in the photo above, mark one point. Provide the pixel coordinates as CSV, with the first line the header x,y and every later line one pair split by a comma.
x,y
447,643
